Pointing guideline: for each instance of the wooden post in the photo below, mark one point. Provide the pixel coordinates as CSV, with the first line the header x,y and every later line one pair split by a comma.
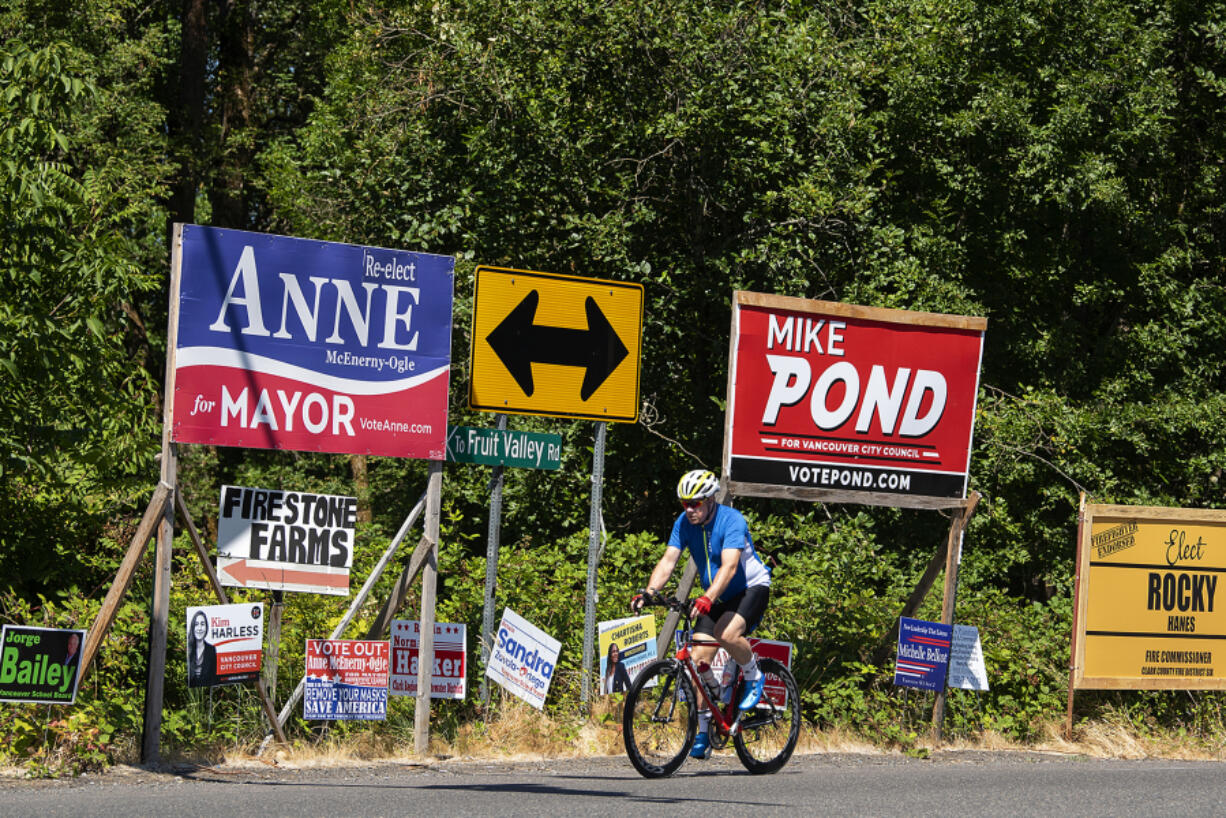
x,y
429,583
953,558
395,600
913,601
274,643
159,612
664,642
1074,643
123,578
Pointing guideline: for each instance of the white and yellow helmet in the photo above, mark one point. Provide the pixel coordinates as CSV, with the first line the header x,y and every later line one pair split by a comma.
x,y
698,484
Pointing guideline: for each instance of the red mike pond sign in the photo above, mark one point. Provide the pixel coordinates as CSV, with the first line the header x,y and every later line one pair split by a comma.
x,y
842,403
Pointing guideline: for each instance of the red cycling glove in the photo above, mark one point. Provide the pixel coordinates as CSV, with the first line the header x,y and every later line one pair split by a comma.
x,y
700,606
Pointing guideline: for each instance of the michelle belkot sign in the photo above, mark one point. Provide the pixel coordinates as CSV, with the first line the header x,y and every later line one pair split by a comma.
x,y
287,343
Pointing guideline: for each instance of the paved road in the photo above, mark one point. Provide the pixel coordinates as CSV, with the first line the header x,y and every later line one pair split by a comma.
x,y
948,784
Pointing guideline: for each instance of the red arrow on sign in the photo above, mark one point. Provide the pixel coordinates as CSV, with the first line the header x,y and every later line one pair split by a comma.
x,y
246,574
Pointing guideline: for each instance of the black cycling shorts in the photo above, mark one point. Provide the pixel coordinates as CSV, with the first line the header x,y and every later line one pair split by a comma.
x,y
750,604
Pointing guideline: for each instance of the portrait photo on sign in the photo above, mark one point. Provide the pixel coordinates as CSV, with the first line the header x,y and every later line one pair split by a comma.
x,y
224,643
626,647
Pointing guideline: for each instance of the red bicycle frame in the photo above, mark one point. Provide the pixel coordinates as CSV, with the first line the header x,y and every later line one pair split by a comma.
x,y
728,721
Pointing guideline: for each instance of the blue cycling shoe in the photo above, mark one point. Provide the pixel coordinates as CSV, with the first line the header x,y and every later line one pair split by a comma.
x,y
702,746
753,693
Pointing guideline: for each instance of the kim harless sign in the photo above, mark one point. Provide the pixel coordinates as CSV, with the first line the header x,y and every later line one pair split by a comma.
x,y
287,343
843,403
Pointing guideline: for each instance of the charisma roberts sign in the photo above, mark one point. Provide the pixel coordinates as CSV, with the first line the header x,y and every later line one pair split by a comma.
x,y
836,402
286,343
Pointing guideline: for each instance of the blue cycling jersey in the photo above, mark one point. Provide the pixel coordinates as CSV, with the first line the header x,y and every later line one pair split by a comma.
x,y
725,529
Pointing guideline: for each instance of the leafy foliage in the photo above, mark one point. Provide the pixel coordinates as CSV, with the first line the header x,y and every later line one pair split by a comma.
x,y
1055,168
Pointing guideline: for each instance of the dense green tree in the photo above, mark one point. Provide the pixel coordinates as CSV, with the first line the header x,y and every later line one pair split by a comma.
x,y
81,175
1054,167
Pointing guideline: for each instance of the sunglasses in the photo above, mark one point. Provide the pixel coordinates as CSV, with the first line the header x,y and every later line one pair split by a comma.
x,y
691,503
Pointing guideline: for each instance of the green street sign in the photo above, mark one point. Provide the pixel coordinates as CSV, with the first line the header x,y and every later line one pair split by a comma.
x,y
506,447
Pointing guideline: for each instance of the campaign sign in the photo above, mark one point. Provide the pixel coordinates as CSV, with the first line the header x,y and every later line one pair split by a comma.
x,y
967,670
287,343
224,643
448,680
524,659
774,689
346,680
285,540
39,665
626,647
923,654
869,405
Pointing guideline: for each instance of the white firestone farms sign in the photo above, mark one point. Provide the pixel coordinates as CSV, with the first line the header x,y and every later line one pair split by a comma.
x,y
285,540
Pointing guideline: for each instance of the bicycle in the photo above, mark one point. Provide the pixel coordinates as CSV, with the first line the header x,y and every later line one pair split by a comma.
x,y
660,718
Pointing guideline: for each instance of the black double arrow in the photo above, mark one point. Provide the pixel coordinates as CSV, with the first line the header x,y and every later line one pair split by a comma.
x,y
519,343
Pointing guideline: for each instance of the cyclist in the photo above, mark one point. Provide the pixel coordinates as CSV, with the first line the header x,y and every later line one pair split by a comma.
x,y
736,583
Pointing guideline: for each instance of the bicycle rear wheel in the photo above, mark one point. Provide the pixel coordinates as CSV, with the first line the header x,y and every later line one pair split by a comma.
x,y
660,719
769,731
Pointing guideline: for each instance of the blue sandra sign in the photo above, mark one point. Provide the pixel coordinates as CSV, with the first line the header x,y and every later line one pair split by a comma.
x,y
923,654
524,659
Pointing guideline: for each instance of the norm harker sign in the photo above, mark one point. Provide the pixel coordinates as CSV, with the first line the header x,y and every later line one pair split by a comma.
x,y
842,403
286,540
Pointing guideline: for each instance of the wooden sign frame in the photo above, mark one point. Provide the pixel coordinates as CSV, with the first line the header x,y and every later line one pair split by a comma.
x,y
959,336
1109,553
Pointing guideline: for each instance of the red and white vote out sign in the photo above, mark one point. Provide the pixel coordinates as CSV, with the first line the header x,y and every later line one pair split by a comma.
x,y
841,403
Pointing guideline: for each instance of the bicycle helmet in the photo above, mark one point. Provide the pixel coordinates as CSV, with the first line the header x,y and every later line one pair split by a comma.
x,y
698,484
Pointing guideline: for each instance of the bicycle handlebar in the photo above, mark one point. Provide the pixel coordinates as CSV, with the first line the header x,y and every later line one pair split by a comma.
x,y
660,600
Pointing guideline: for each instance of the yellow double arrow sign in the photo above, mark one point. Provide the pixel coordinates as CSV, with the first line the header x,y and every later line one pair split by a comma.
x,y
555,345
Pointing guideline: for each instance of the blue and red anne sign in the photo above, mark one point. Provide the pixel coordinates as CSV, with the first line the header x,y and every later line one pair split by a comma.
x,y
287,343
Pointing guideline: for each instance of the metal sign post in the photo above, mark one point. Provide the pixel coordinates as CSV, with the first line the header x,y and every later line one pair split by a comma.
x,y
558,346
593,560
491,569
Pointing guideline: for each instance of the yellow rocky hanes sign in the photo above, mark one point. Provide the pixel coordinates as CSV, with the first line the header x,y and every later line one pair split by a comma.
x,y
1152,598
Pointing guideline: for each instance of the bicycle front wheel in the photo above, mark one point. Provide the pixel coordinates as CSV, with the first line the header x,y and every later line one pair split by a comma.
x,y
660,718
770,730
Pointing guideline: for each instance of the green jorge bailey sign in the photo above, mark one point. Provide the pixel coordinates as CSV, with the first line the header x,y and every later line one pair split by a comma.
x,y
504,447
40,665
